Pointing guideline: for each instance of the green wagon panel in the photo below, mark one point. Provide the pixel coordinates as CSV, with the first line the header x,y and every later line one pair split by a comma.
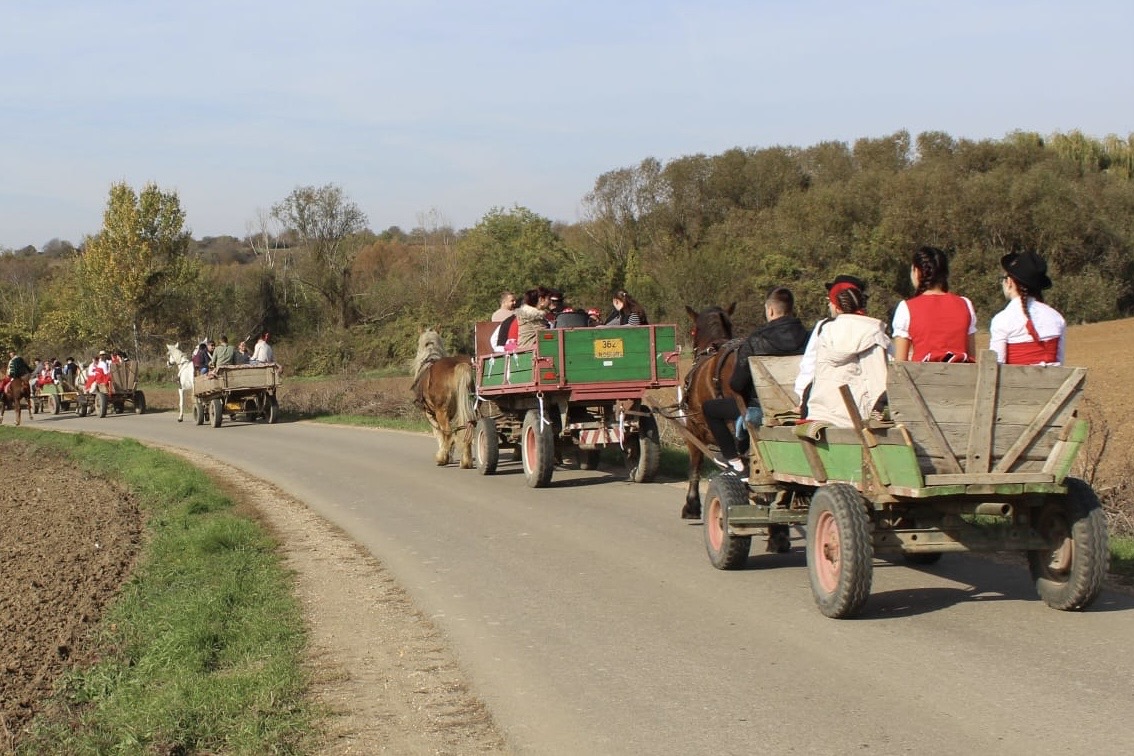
x,y
517,367
618,354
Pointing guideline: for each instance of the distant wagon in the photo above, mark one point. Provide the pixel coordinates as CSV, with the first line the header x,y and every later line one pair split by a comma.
x,y
120,392
245,391
577,389
976,458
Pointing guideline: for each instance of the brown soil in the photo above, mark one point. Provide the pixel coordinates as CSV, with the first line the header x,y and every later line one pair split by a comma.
x,y
67,542
390,683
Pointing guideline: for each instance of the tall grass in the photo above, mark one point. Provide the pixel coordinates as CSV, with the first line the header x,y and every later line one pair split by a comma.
x,y
201,652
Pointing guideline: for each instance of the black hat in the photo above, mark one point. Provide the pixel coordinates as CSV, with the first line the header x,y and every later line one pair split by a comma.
x,y
854,281
1027,268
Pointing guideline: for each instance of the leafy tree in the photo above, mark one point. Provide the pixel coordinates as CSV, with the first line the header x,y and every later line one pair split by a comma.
x,y
130,278
325,222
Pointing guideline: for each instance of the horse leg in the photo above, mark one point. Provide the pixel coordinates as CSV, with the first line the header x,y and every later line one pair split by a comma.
x,y
466,448
444,439
692,508
180,404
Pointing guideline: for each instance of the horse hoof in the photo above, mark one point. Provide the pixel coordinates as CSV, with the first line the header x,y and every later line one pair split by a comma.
x,y
690,513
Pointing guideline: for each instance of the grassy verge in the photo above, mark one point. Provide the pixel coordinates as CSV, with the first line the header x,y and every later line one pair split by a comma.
x,y
201,652
1122,555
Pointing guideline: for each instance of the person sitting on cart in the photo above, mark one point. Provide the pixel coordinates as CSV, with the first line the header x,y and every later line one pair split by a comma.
x,y
262,353
17,368
1027,331
201,358
223,355
782,335
934,325
70,374
532,316
46,376
627,311
98,372
852,350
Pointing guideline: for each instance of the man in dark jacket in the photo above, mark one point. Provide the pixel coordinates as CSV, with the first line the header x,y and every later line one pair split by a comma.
x,y
783,334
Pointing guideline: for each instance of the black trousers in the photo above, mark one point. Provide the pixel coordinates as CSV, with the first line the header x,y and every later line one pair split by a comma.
x,y
719,414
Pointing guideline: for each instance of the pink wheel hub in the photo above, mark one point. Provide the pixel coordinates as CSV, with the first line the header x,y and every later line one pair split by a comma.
x,y
827,552
714,521
530,449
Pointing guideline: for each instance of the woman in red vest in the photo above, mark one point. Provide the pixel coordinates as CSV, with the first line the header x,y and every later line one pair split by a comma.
x,y
934,325
1027,331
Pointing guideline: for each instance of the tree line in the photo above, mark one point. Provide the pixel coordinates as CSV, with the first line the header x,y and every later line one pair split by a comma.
x,y
696,230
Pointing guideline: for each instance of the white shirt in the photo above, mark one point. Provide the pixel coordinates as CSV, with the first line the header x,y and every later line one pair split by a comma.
x,y
807,363
1009,326
262,352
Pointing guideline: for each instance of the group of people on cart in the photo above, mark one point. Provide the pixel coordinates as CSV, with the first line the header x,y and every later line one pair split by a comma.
x,y
68,375
853,349
210,355
522,318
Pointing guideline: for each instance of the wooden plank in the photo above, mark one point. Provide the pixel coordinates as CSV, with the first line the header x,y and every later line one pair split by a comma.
x,y
784,399
987,478
899,375
944,375
1070,387
978,453
818,471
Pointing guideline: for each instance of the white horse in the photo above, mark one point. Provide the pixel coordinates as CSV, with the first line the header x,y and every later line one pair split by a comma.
x,y
184,376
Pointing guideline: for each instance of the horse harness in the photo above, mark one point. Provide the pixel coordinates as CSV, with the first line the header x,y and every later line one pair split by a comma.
x,y
721,348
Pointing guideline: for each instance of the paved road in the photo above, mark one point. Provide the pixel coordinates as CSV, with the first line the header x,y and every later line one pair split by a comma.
x,y
589,619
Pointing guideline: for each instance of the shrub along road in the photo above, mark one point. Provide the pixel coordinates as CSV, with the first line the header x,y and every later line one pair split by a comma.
x,y
587,618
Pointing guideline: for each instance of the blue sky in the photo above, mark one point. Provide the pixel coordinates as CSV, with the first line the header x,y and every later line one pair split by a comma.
x,y
454,108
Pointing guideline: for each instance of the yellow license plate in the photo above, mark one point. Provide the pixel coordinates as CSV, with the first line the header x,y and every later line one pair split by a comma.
x,y
607,348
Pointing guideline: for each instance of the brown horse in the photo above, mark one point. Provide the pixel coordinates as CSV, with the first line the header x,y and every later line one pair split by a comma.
x,y
707,379
17,389
443,388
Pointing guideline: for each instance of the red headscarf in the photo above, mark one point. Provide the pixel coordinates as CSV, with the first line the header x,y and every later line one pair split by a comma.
x,y
834,291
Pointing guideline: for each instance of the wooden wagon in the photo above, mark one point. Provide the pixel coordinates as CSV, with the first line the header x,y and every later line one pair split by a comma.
x,y
247,391
577,388
121,391
56,398
975,457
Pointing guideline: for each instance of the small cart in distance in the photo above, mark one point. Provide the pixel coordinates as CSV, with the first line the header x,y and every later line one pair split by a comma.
x,y
577,387
245,390
977,458
121,391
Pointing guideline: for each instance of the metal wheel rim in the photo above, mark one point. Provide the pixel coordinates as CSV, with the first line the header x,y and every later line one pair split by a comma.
x,y
828,564
481,446
714,521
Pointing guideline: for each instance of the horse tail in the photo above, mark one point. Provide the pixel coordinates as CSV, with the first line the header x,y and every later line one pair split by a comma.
x,y
464,389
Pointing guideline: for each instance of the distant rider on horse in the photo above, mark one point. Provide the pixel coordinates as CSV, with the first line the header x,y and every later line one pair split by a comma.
x,y
17,368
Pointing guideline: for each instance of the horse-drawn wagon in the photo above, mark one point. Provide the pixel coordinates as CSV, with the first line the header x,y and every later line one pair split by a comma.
x,y
577,387
121,390
248,391
57,397
976,457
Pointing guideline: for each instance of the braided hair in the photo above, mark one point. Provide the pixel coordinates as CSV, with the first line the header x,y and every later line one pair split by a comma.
x,y
850,299
932,266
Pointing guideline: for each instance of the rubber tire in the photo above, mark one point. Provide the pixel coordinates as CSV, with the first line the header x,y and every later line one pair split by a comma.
x,y
272,411
139,403
588,458
198,412
922,558
486,446
55,404
1083,525
644,458
726,552
537,450
102,402
216,412
82,408
838,510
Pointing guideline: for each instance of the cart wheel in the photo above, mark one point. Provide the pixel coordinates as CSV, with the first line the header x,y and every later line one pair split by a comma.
x,y
139,402
272,413
55,402
643,455
589,458
840,552
101,400
216,412
537,445
1070,576
726,552
486,446
82,408
199,412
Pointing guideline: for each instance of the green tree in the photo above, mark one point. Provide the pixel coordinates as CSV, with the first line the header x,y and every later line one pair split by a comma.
x,y
130,277
325,223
